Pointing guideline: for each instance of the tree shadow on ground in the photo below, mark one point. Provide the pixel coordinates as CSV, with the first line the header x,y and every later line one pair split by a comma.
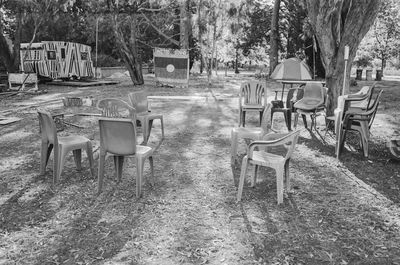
x,y
307,225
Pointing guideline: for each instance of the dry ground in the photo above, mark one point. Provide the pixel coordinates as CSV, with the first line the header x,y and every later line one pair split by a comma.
x,y
339,212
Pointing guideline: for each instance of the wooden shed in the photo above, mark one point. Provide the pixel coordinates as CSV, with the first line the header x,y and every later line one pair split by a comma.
x,y
57,59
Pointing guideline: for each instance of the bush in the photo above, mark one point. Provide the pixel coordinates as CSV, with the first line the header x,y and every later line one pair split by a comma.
x,y
363,61
104,60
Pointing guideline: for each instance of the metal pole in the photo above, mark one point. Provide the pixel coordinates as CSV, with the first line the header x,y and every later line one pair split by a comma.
x,y
346,57
97,39
344,78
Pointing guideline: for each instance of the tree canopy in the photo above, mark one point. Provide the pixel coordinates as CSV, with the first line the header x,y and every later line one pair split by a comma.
x,y
214,31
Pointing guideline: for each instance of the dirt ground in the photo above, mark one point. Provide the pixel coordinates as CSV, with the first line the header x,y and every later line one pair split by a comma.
x,y
339,212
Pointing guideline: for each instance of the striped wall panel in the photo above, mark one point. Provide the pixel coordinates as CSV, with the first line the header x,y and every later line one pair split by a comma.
x,y
56,59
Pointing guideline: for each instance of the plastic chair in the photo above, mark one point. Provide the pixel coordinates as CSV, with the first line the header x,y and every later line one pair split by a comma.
x,y
312,103
353,102
61,145
289,108
118,138
360,121
252,97
138,100
116,108
255,133
263,157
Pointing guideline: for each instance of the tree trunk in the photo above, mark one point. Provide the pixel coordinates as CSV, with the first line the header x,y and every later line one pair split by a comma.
x,y
274,38
337,24
236,61
184,30
200,34
129,52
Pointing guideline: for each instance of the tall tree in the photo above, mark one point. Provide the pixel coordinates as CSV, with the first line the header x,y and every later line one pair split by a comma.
x,y
185,24
274,39
17,15
130,18
337,23
386,32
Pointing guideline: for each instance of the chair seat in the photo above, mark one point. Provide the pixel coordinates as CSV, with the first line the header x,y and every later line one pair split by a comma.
x,y
245,132
252,107
72,140
308,112
267,159
308,104
143,150
149,116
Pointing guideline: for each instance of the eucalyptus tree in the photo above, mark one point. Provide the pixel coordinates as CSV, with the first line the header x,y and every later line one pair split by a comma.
x,y
336,24
15,15
385,32
274,37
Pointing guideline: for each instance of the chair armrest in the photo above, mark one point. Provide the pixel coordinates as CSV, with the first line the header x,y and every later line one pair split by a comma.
x,y
269,143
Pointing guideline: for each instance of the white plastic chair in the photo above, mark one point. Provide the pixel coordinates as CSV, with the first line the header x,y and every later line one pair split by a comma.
x,y
252,97
313,103
139,101
262,157
253,133
118,138
62,146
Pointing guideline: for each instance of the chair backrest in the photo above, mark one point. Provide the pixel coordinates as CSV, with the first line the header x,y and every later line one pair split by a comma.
x,y
314,90
253,93
118,136
292,97
289,141
139,101
116,108
314,97
47,126
361,98
292,139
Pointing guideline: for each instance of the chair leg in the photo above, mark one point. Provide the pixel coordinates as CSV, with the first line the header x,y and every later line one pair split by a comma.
x,y
149,126
118,162
78,158
139,176
56,161
254,177
152,180
288,119
244,118
234,146
296,119
261,116
162,127
313,122
89,152
243,173
340,142
45,151
364,137
102,158
287,176
279,184
304,120
61,161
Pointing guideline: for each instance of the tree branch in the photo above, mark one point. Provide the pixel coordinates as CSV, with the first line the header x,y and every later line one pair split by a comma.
x,y
159,31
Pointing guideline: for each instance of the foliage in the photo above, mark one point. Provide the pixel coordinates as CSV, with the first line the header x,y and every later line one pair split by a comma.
x,y
104,60
256,31
386,31
338,24
363,61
